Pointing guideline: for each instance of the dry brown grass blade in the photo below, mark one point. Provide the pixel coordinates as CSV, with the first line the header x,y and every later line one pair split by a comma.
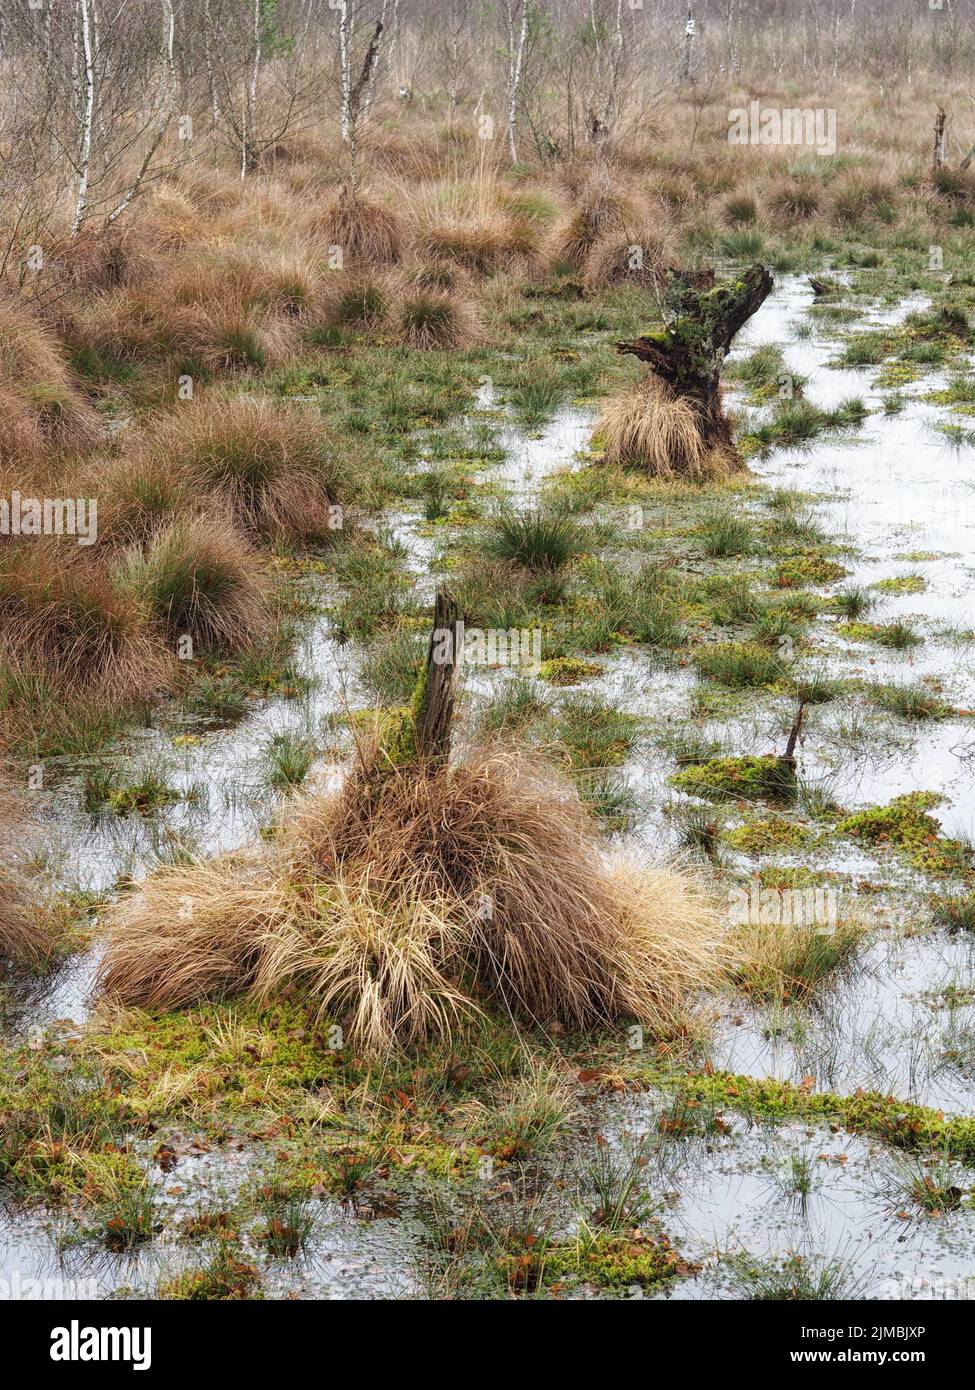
x,y
27,936
62,615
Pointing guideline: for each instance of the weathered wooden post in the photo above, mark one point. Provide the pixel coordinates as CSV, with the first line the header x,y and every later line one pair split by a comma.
x,y
435,715
940,140
418,736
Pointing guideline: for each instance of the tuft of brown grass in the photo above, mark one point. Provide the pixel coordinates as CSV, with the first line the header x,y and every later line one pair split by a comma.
x,y
602,210
477,226
62,616
193,932
435,275
649,426
362,302
383,963
26,939
40,407
794,200
95,262
269,466
435,319
139,491
367,231
199,322
199,577
484,244
413,897
618,258
856,199
170,219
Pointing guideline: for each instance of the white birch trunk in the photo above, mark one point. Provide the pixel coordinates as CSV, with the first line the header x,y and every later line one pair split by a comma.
x,y
208,60
516,59
345,72
87,118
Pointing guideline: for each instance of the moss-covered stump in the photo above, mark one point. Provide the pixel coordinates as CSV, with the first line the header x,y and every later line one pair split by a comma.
x,y
686,354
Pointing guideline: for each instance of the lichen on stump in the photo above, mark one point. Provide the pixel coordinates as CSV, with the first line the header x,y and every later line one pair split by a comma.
x,y
672,422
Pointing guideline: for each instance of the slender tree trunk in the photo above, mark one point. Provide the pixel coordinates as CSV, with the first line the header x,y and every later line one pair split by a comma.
x,y
87,118
250,104
208,61
687,67
345,72
516,63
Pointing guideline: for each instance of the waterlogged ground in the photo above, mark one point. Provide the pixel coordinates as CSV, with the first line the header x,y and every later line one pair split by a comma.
x,y
742,1190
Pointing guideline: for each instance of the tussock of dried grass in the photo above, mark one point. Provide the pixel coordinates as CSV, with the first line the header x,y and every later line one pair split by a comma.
x,y
602,209
368,232
98,261
483,243
619,258
62,617
648,426
411,898
193,933
200,577
24,939
40,408
139,492
435,319
170,218
269,466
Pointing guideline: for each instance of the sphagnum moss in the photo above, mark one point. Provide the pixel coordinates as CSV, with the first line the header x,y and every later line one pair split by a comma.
x,y
899,1123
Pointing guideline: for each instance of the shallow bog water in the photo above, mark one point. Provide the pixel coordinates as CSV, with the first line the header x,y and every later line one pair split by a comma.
x,y
896,491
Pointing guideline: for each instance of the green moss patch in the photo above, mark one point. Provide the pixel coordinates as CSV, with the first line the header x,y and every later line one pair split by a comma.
x,y
611,1261
568,670
899,1123
901,584
766,836
904,825
762,778
813,568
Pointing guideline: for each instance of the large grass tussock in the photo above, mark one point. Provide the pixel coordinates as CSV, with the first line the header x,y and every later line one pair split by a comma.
x,y
63,618
26,938
412,899
269,466
40,406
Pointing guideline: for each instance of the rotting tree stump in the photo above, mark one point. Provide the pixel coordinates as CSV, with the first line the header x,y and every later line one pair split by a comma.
x,y
700,319
417,738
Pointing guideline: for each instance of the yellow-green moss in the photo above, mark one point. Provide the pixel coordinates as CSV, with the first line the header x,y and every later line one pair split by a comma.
x,y
763,778
616,1261
568,670
600,1258
765,836
813,568
897,1122
905,825
901,584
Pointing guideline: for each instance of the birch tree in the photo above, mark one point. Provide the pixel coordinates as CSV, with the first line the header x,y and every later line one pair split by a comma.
x,y
517,17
